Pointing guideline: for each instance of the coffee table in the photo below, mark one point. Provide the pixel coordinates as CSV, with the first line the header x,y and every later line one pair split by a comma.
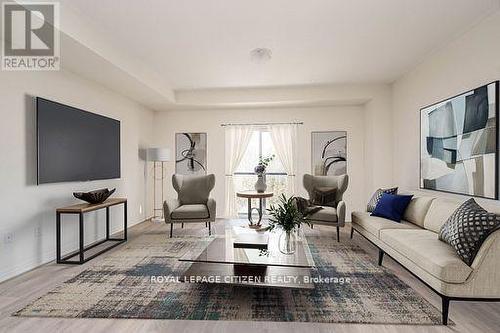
x,y
220,262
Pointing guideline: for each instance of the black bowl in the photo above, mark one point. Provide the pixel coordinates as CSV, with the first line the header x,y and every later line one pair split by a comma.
x,y
94,197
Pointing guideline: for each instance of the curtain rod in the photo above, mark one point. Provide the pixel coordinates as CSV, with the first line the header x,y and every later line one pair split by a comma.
x,y
260,124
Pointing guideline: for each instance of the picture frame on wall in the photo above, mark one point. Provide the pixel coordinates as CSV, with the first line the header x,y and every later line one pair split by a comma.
x,y
459,143
191,153
329,153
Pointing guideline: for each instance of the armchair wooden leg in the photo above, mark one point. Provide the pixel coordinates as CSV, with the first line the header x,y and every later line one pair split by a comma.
x,y
380,257
352,232
338,234
209,229
445,305
182,225
171,229
206,224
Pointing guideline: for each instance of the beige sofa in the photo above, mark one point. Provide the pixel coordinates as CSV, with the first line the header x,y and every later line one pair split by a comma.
x,y
415,245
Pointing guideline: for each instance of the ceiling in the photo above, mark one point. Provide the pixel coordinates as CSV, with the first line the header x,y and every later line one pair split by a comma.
x,y
196,44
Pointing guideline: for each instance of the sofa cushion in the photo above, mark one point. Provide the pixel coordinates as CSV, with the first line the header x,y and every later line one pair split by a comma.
x,y
425,250
374,224
392,206
416,210
467,229
190,212
370,207
439,212
326,214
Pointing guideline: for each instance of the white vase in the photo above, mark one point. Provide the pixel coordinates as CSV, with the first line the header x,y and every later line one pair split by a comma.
x,y
260,185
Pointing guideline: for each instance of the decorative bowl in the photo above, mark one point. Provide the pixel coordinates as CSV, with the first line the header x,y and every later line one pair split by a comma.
x,y
94,197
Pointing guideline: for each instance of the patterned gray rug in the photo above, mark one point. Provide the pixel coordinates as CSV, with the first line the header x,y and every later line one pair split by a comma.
x,y
119,286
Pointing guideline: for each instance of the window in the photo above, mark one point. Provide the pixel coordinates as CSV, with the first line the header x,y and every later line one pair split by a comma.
x,y
260,144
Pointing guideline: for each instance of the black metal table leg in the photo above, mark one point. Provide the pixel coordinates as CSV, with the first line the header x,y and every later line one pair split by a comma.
x,y
82,259
125,220
107,223
58,237
250,211
79,254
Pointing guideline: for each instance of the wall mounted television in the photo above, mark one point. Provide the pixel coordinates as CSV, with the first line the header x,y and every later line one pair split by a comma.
x,y
75,145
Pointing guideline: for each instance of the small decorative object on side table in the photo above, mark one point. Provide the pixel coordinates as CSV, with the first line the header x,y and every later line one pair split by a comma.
x,y
254,195
94,197
260,171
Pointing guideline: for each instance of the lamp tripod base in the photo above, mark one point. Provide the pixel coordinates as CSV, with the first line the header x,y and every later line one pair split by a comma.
x,y
157,219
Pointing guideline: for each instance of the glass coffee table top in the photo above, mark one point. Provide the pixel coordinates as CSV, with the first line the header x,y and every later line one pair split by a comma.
x,y
221,249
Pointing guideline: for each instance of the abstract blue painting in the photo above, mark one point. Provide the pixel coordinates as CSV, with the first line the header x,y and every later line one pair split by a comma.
x,y
458,144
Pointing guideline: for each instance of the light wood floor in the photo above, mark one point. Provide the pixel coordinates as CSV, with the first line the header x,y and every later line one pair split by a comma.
x,y
17,292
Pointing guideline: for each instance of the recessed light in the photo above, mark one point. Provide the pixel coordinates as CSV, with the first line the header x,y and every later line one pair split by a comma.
x,y
261,55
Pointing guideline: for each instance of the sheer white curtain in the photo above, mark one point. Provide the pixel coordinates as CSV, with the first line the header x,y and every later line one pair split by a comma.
x,y
237,139
285,143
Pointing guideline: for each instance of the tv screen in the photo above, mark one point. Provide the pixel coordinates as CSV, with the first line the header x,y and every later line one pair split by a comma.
x,y
75,145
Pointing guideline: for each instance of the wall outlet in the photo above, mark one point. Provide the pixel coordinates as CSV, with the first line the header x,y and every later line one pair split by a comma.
x,y
8,237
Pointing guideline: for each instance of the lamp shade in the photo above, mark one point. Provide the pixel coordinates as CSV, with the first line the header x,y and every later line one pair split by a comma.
x,y
158,154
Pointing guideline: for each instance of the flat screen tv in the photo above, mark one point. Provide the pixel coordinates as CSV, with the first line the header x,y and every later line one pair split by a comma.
x,y
75,145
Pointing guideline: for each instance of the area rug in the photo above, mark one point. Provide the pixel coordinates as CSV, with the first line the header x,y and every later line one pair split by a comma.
x,y
120,286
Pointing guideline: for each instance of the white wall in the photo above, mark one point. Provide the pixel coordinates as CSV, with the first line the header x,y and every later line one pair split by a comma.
x,y
348,118
468,62
27,208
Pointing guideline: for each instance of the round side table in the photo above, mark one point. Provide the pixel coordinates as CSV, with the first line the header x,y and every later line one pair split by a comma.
x,y
254,195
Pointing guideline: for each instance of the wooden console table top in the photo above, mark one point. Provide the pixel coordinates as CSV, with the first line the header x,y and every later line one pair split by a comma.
x,y
86,207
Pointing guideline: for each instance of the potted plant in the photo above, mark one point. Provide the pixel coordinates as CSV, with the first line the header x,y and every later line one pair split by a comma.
x,y
260,171
286,216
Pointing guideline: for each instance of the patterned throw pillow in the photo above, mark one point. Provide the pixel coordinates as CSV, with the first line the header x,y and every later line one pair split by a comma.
x,y
467,228
377,195
325,196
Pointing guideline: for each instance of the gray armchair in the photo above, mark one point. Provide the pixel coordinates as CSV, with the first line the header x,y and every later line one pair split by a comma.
x,y
193,203
334,213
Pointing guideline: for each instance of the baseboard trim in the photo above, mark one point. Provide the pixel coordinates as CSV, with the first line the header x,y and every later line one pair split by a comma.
x,y
47,257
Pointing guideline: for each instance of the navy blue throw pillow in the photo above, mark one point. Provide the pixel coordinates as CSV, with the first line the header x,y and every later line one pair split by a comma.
x,y
392,206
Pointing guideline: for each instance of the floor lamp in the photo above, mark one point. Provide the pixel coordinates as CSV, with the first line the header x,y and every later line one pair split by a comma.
x,y
158,155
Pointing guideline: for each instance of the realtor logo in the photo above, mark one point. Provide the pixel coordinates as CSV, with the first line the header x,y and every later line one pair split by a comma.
x,y
30,36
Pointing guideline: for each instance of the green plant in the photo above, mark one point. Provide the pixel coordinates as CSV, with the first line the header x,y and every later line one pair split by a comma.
x,y
285,214
266,160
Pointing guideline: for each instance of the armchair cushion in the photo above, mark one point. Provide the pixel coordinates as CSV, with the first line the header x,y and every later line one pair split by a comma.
x,y
313,182
325,196
195,211
327,214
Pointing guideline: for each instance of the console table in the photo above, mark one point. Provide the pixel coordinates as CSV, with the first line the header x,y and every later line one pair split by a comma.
x,y
254,195
80,210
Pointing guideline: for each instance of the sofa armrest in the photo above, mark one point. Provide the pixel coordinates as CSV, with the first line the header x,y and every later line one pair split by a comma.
x,y
483,281
212,208
168,207
341,213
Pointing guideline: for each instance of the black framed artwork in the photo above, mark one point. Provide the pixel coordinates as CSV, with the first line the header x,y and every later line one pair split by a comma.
x,y
329,153
459,143
191,153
